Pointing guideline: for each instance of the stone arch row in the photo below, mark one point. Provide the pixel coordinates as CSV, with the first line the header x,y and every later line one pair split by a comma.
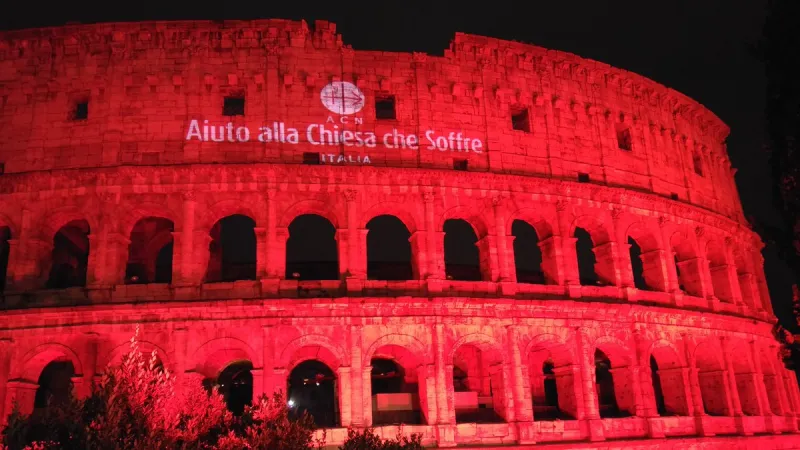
x,y
564,246
479,378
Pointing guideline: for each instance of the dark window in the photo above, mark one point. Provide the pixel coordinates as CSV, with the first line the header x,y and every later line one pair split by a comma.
x,y
2,168
310,158
460,164
519,120
583,177
698,163
80,110
385,108
233,106
673,196
624,140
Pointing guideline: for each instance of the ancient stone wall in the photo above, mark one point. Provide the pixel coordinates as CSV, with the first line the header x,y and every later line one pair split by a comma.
x,y
564,308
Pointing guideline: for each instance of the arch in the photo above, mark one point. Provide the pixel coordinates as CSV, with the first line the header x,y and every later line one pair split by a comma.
x,y
482,341
226,208
389,250
146,239
617,352
312,249
707,356
646,239
60,217
309,207
597,230
232,250
412,344
35,360
531,260
666,354
684,247
312,347
214,355
401,211
534,218
475,219
5,221
551,379
141,211
715,252
560,352
114,357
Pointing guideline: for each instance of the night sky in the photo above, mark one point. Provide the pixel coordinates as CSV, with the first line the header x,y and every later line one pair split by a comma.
x,y
698,47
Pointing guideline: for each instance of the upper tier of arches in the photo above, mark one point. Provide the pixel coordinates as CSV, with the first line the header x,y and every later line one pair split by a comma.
x,y
125,94
350,239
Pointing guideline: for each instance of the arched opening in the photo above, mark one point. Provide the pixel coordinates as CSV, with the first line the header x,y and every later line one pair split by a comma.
x,y
395,389
552,383
149,239
388,249
311,251
720,275
711,377
637,266
236,386
669,387
481,371
527,254
232,250
55,384
584,248
461,256
604,384
70,256
746,385
5,250
687,266
313,389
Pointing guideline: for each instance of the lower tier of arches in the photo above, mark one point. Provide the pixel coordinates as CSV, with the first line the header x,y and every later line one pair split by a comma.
x,y
460,371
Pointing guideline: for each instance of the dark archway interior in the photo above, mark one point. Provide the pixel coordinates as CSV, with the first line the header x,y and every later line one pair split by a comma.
x,y
313,389
148,240
163,272
5,249
236,386
527,254
70,256
55,384
233,250
586,259
637,266
311,251
388,249
388,377
606,395
658,390
461,255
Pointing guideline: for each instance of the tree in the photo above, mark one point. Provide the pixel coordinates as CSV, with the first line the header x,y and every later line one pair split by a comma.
x,y
138,405
368,440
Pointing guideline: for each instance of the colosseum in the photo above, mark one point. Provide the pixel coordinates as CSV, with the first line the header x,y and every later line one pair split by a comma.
x,y
503,245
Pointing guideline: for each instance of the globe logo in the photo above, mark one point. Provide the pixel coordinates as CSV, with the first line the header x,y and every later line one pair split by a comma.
x,y
341,97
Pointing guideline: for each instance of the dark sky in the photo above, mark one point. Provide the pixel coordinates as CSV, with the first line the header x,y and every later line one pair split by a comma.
x,y
698,47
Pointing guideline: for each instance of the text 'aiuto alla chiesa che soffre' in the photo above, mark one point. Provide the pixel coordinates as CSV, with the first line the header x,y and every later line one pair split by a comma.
x,y
504,244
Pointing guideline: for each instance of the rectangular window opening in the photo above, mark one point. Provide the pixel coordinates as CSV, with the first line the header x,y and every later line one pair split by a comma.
x,y
80,110
2,168
233,106
520,120
624,140
583,177
698,164
385,107
310,158
460,164
673,196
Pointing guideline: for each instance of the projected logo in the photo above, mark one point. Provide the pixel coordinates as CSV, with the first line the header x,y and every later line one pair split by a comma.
x,y
341,97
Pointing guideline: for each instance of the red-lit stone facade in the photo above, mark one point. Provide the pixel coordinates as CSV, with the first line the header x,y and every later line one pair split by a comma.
x,y
99,177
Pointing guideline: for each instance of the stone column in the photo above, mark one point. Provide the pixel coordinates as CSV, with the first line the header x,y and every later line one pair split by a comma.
x,y
366,395
733,276
505,250
179,354
5,367
520,391
275,249
261,252
585,359
30,261
758,378
356,399
435,247
344,375
107,266
183,256
258,383
697,407
656,275
419,252
570,275
23,393
269,384
90,369
356,248
487,248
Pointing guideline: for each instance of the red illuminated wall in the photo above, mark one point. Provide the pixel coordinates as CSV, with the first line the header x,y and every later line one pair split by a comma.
x,y
118,186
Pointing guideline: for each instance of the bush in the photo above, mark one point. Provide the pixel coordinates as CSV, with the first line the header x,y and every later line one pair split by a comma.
x,y
368,440
137,406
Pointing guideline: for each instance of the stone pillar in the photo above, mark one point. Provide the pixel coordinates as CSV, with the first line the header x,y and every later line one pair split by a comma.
x,y
29,262
552,249
261,252
344,375
435,249
179,353
487,248
5,367
730,373
356,398
520,391
446,413
419,252
655,270
269,384
366,395
258,383
108,256
21,392
758,378
761,282
606,258
90,369
356,246
702,426
426,375
569,270
505,249
186,275
275,249
585,359
733,276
